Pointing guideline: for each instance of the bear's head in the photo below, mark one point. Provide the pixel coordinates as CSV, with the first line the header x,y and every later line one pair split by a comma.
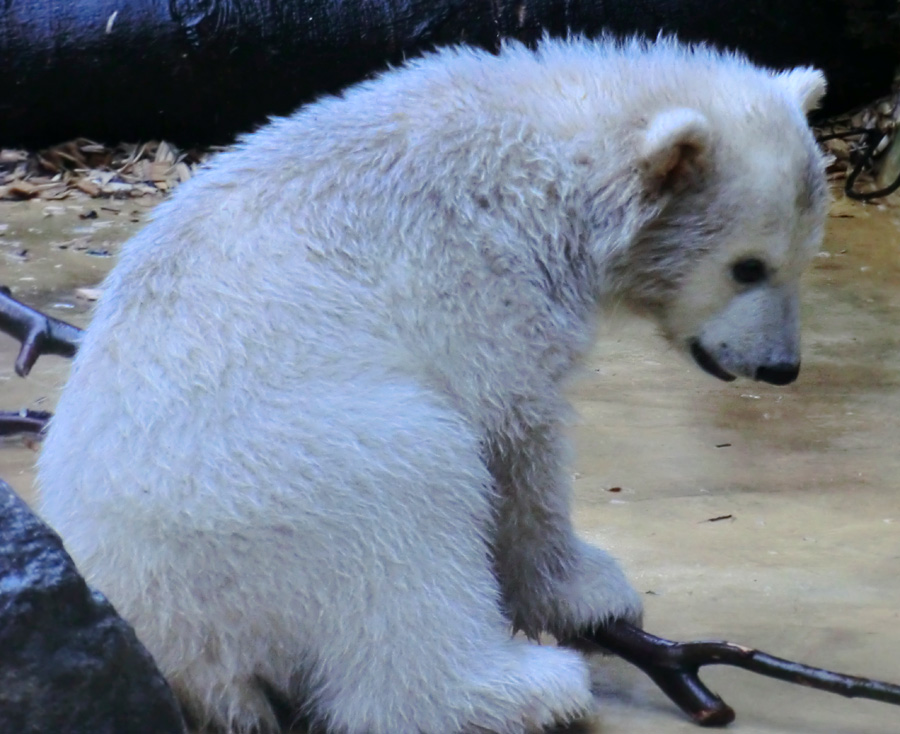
x,y
739,198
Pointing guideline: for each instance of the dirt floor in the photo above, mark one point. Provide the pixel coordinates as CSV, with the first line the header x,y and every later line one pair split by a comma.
x,y
766,516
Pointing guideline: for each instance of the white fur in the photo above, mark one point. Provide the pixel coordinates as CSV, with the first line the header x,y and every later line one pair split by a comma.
x,y
806,84
313,436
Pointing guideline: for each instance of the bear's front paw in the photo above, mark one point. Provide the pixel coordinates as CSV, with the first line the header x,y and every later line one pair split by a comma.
x,y
590,592
598,595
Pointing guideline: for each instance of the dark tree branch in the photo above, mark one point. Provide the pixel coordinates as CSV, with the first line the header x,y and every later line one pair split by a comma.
x,y
38,333
674,667
26,421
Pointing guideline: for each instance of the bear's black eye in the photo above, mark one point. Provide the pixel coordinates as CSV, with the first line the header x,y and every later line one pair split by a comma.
x,y
749,271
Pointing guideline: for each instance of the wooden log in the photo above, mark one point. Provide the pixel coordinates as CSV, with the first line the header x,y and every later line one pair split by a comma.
x,y
201,71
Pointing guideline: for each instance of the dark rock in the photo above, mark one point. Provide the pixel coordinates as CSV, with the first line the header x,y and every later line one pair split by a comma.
x,y
68,663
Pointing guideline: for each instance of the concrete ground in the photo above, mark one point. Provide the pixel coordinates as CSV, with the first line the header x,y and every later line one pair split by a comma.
x,y
765,516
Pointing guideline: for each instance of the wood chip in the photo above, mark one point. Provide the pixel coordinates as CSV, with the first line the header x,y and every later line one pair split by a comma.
x,y
164,153
182,171
22,189
85,167
159,172
88,294
117,188
8,156
88,187
79,243
55,193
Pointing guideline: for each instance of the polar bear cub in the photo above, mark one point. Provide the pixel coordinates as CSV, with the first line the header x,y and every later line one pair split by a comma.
x,y
312,445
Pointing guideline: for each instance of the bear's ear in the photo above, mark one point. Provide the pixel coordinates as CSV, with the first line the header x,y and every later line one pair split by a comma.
x,y
674,149
805,84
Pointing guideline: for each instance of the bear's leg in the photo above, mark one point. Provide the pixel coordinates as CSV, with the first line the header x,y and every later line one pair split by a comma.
x,y
442,683
330,546
405,631
552,581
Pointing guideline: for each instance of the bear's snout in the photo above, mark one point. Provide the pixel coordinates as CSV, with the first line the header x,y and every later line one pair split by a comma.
x,y
779,373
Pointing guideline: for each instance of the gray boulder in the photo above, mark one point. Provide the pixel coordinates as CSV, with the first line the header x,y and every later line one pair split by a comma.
x,y
68,663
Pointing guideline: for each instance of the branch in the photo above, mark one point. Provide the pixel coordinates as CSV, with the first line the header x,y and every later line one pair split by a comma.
x,y
38,333
33,422
674,667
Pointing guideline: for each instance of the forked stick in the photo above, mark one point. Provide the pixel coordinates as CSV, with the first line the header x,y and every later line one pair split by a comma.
x,y
674,667
28,422
38,333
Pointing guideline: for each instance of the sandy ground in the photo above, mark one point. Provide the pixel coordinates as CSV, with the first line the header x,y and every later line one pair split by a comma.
x,y
806,479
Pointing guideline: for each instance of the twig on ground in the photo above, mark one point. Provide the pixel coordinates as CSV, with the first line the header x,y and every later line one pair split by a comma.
x,y
31,422
674,667
38,333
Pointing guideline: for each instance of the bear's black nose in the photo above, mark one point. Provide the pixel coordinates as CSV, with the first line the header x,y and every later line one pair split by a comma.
x,y
778,374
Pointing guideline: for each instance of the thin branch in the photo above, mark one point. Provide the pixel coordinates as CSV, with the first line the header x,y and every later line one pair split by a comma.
x,y
38,333
32,422
674,667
